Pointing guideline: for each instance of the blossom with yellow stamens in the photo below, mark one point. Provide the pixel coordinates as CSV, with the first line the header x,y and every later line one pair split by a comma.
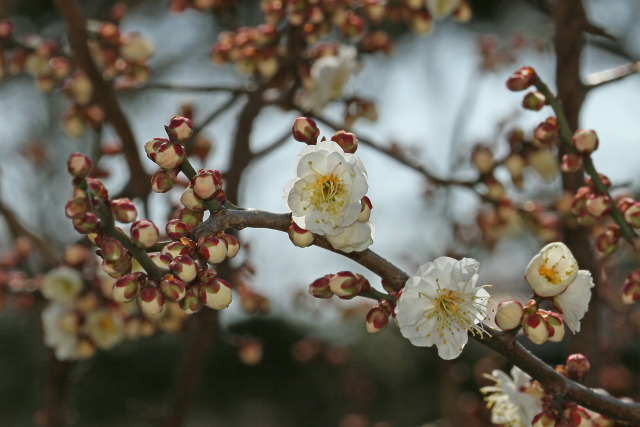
x,y
551,271
442,304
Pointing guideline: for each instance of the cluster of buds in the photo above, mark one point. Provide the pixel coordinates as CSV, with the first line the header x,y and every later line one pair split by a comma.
x,y
252,50
345,285
538,325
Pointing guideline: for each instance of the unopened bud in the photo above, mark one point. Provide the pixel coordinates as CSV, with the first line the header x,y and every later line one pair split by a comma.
x,y
216,294
191,201
571,163
191,303
299,236
170,155
345,284
509,315
547,132
463,12
181,247
150,300
365,210
599,204
556,326
90,223
631,288
118,267
126,288
180,129
320,288
544,419
184,267
534,101
144,233
305,130
76,255
206,183
578,416
161,260
172,288
77,207
151,147
521,79
577,367
632,215
189,217
346,140
123,210
177,229
163,180
377,319
585,141
79,165
535,328
110,248
98,189
212,249
607,241
233,245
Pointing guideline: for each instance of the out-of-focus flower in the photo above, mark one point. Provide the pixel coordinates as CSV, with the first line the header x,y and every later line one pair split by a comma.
x,y
105,328
60,331
62,284
325,194
442,304
513,400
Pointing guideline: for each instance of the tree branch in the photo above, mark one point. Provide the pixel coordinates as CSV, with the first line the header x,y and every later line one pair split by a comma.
x,y
611,75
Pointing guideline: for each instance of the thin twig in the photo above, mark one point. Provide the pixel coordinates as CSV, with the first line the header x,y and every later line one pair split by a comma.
x,y
235,96
196,88
271,147
611,75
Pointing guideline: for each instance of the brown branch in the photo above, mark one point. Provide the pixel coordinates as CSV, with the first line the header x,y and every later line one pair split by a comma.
x,y
211,117
188,88
611,75
255,155
104,94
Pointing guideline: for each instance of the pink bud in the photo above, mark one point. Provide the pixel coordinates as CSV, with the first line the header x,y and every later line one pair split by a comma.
x,y
173,289
180,129
191,303
79,165
212,249
345,284
320,288
163,180
110,248
144,233
522,79
233,245
98,189
189,217
182,247
177,229
184,267
377,319
86,224
150,300
632,215
191,201
151,147
365,210
76,207
346,140
598,204
607,241
631,288
206,183
305,130
299,236
577,367
547,131
585,141
534,101
123,210
118,267
126,288
535,328
216,294
509,315
571,163
170,155
556,326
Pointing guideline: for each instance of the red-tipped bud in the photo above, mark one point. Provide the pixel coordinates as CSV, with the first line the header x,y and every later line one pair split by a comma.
x,y
535,328
77,207
182,247
110,248
118,267
571,163
212,249
177,229
233,245
170,155
556,326
377,319
180,129
150,300
299,236
98,189
172,288
345,284
163,180
578,416
161,260
189,217
216,294
305,130
534,101
89,223
632,215
206,183
599,204
123,210
631,288
577,367
184,267
320,288
126,288
509,315
585,141
191,303
365,210
79,165
346,140
607,241
151,147
544,419
144,233
191,201
522,79
547,132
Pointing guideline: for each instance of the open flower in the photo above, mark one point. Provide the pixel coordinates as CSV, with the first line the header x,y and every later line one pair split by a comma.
x,y
325,194
60,327
356,237
105,328
441,304
574,302
514,400
551,271
329,75
62,284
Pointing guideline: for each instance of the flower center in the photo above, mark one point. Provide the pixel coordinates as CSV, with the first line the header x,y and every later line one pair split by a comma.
x,y
553,272
328,192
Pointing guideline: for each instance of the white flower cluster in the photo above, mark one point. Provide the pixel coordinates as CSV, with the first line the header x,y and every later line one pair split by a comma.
x,y
325,197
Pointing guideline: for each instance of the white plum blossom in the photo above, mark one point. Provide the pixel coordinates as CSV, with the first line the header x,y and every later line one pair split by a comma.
x,y
554,273
324,197
105,328
442,304
62,284
60,331
440,9
574,302
551,271
329,75
514,400
356,237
